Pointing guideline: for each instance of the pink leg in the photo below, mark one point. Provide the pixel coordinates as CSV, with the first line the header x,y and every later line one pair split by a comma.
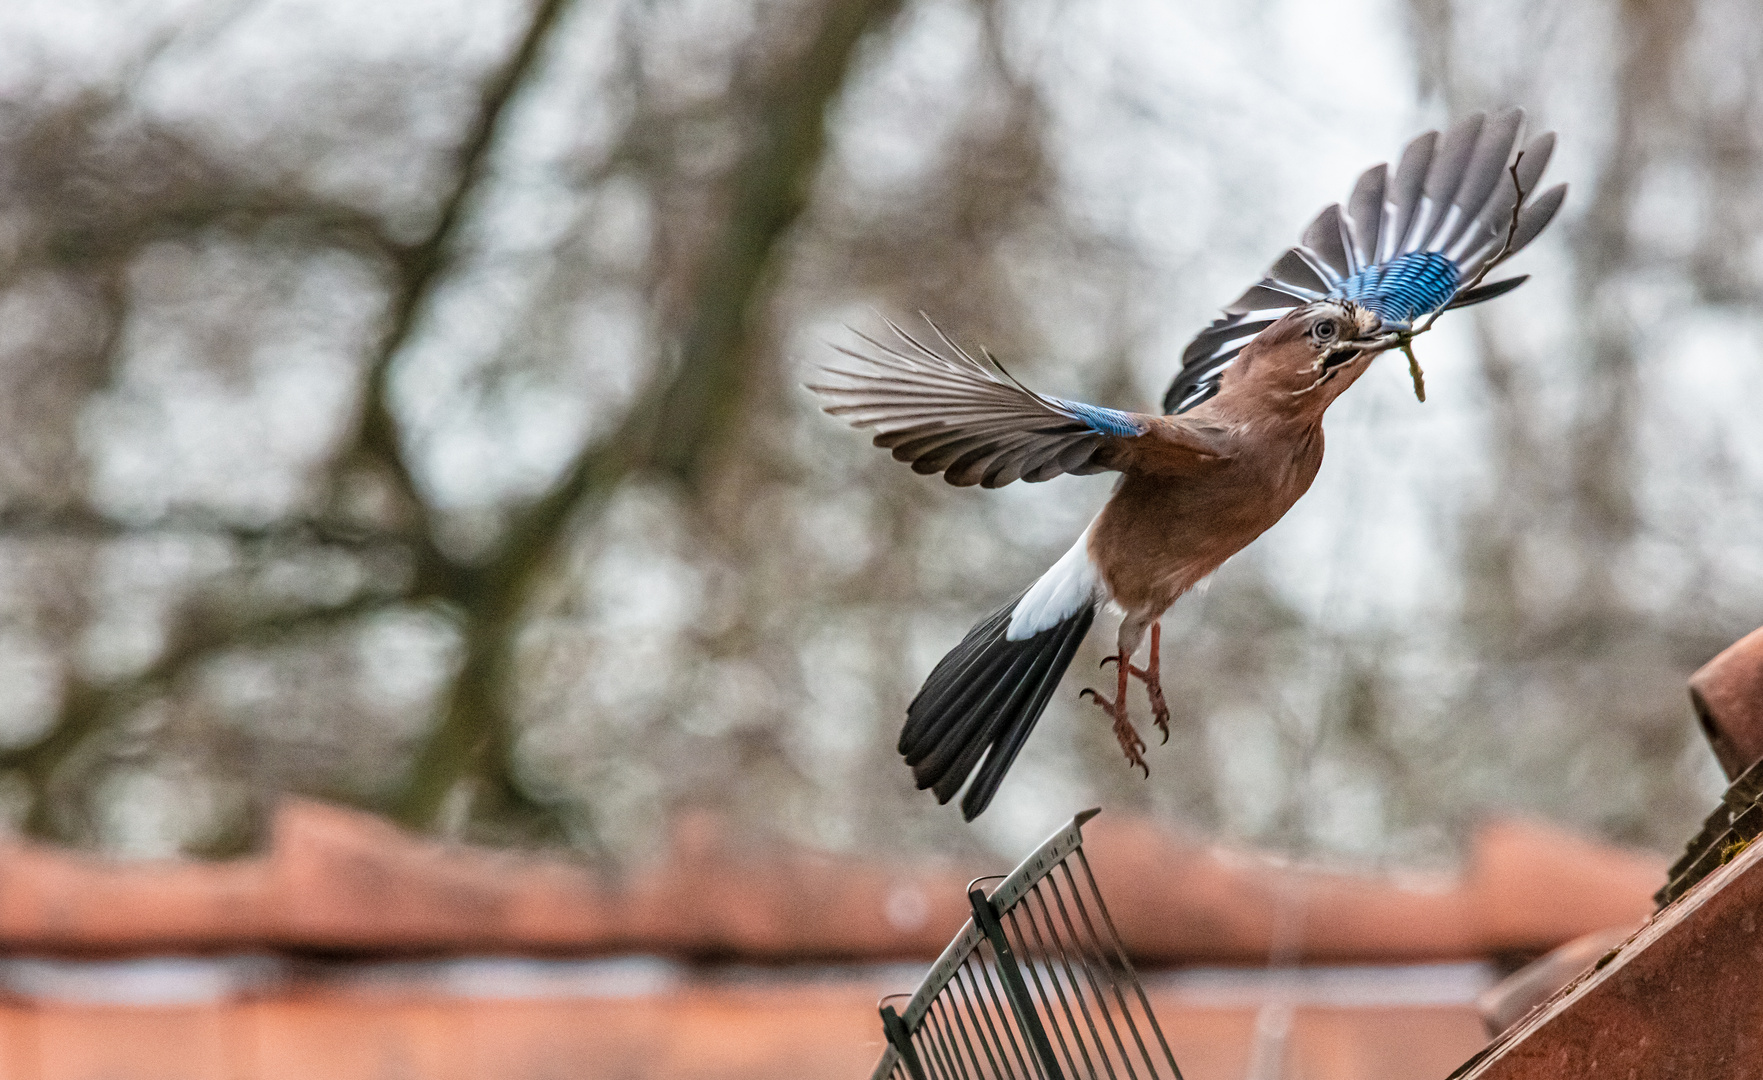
x,y
1124,732
1152,674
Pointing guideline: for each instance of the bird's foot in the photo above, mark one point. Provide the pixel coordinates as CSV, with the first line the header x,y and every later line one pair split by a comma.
x,y
1152,676
1131,744
1159,707
1124,732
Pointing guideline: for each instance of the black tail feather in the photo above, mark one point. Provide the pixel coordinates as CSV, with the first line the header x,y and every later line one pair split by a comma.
x,y
916,738
983,724
983,698
1004,751
965,729
957,708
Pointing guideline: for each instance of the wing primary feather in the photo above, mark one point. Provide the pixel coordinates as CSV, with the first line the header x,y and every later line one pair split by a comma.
x,y
970,466
920,445
1294,272
1537,153
1365,208
1405,201
1265,295
1487,167
1075,457
1532,219
1536,216
957,349
1489,232
1323,239
1040,460
943,410
994,362
1445,176
894,353
1318,266
1486,292
950,459
1401,244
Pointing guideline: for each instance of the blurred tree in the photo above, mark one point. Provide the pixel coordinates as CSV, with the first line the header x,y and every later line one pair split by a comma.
x,y
104,197
1587,599
401,407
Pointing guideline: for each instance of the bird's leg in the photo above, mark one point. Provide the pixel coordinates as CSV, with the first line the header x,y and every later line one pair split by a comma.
x,y
1127,735
1152,676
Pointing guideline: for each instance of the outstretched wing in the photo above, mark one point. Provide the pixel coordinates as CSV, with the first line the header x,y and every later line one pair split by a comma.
x,y
1401,246
950,413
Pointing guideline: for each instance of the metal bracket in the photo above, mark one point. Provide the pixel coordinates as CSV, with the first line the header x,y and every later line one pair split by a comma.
x,y
901,1041
985,916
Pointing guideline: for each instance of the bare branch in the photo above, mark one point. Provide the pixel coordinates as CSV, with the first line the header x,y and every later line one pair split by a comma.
x,y
676,425
1405,339
420,266
1519,194
87,708
771,190
84,523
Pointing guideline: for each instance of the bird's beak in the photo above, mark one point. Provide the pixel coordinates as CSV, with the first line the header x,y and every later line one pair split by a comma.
x,y
1371,337
1381,336
1381,341
1355,350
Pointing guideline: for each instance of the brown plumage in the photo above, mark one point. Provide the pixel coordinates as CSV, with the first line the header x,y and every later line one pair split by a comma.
x,y
1166,528
1195,489
1243,445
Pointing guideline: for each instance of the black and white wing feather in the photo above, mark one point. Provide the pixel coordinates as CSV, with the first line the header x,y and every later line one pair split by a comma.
x,y
950,413
1402,245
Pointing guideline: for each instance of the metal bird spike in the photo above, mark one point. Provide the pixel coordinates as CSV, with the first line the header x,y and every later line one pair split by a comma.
x,y
1404,339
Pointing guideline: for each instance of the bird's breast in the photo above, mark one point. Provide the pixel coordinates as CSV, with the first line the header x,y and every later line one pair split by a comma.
x,y
1158,536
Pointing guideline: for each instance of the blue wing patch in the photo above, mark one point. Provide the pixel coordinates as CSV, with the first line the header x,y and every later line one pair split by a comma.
x,y
1102,421
1385,249
1403,289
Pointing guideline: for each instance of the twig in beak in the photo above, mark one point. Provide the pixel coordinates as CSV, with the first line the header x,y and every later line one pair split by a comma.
x,y
1404,340
1414,372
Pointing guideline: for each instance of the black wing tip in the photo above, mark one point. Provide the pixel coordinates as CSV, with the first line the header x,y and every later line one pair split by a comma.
x,y
1486,292
1416,163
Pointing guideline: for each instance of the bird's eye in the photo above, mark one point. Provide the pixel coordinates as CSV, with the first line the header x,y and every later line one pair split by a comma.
x,y
1325,330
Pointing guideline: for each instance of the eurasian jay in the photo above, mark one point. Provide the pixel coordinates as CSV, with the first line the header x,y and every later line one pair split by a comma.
x,y
1240,441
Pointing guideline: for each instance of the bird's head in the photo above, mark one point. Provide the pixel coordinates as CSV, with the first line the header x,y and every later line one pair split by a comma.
x,y
1312,354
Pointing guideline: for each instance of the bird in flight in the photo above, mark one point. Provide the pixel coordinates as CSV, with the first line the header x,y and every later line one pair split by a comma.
x,y
1239,442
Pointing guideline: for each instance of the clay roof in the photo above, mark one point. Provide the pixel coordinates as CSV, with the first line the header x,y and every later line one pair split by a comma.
x,y
343,882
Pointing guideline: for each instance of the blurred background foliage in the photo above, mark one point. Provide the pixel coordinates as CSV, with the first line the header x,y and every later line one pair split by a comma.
x,y
402,405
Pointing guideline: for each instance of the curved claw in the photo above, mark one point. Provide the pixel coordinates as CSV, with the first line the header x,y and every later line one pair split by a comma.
x,y
1086,690
1106,660
1165,741
1147,770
